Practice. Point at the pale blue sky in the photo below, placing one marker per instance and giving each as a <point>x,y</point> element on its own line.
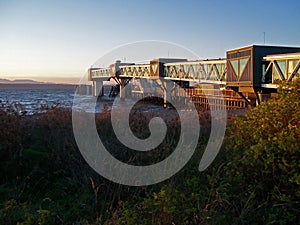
<point>53,40</point>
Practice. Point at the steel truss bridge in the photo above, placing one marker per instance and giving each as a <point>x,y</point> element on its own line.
<point>248,73</point>
<point>206,71</point>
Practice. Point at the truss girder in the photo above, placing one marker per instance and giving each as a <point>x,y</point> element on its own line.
<point>135,71</point>
<point>200,71</point>
<point>100,73</point>
<point>291,68</point>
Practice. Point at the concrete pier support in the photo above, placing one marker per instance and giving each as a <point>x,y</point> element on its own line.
<point>122,83</point>
<point>167,89</point>
<point>122,91</point>
<point>97,88</point>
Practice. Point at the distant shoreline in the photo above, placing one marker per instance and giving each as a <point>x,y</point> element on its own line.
<point>36,86</point>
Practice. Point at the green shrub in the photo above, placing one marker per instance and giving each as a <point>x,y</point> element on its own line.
<point>263,149</point>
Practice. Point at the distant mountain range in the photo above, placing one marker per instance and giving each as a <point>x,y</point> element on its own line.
<point>21,81</point>
<point>31,84</point>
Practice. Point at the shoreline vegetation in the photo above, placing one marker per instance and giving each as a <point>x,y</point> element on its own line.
<point>255,179</point>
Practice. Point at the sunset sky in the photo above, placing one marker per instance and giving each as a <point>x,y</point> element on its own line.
<point>58,40</point>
